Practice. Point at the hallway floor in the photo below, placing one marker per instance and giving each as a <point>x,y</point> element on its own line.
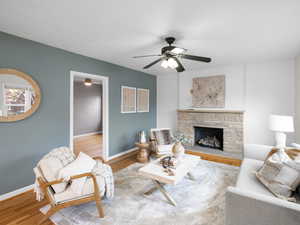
<point>91,145</point>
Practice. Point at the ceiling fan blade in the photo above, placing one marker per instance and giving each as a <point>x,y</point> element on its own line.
<point>180,67</point>
<point>143,56</point>
<point>154,62</point>
<point>196,58</point>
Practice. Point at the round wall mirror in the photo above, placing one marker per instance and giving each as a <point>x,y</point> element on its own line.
<point>20,95</point>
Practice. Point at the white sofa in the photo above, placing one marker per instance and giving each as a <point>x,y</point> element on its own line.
<point>250,203</point>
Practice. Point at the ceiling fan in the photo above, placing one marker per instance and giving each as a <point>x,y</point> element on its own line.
<point>170,56</point>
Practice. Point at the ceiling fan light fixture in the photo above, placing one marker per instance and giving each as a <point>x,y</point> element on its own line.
<point>170,57</point>
<point>177,50</point>
<point>172,63</point>
<point>88,82</point>
<point>165,64</point>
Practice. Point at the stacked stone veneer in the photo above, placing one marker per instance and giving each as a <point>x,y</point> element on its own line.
<point>230,121</point>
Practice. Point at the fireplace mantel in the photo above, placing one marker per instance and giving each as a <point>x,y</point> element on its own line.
<point>210,111</point>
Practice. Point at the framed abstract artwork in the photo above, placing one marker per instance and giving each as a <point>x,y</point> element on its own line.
<point>128,99</point>
<point>209,92</point>
<point>142,100</point>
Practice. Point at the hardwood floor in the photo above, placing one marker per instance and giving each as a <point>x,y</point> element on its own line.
<point>91,145</point>
<point>24,209</point>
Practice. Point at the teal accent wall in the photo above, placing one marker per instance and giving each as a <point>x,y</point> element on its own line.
<point>23,143</point>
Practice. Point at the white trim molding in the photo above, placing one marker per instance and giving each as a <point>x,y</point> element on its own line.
<point>123,153</point>
<point>105,102</point>
<point>88,134</point>
<point>16,192</point>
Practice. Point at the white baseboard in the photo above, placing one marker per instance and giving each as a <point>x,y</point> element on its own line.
<point>16,192</point>
<point>122,153</point>
<point>88,134</point>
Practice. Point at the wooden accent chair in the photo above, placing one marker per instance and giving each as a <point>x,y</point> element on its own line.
<point>66,200</point>
<point>162,141</point>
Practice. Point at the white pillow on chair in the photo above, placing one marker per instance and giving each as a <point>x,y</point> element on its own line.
<point>82,164</point>
<point>52,163</point>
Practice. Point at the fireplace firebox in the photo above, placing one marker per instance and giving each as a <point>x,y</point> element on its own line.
<point>209,137</point>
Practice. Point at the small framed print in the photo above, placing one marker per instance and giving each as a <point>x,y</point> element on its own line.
<point>128,99</point>
<point>142,100</point>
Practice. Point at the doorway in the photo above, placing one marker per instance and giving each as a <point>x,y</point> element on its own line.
<point>89,114</point>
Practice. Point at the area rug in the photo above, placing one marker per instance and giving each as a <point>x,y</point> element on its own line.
<point>199,202</point>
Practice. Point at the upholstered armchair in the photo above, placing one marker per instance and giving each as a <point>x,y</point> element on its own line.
<point>59,193</point>
<point>162,141</point>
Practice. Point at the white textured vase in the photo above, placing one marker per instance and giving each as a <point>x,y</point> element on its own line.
<point>143,137</point>
<point>178,150</point>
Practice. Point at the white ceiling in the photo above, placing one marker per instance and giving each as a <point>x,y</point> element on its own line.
<point>231,31</point>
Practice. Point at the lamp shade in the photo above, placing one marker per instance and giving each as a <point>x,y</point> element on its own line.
<point>281,123</point>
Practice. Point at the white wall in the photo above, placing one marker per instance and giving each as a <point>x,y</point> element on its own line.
<point>234,90</point>
<point>269,89</point>
<point>87,108</point>
<point>297,73</point>
<point>259,89</point>
<point>167,98</point>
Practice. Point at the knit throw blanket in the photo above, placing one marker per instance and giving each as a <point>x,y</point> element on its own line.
<point>100,170</point>
<point>105,171</point>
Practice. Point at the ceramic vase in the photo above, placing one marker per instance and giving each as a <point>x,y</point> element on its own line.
<point>178,150</point>
<point>142,137</point>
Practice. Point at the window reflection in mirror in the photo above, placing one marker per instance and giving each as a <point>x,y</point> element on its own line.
<point>16,95</point>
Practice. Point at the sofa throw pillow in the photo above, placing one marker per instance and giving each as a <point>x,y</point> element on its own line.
<point>280,173</point>
<point>163,137</point>
<point>82,164</point>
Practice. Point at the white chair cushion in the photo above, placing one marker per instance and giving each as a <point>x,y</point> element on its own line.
<point>88,189</point>
<point>83,164</point>
<point>52,163</point>
<point>247,180</point>
<point>164,149</point>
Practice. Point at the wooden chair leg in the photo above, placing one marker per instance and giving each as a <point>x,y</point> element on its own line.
<point>50,212</point>
<point>98,198</point>
<point>100,208</point>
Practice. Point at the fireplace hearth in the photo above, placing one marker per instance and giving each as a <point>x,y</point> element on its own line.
<point>209,137</point>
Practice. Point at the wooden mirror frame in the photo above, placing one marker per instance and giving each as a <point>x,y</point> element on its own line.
<point>37,91</point>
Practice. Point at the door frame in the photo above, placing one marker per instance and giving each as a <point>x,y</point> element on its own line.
<point>105,109</point>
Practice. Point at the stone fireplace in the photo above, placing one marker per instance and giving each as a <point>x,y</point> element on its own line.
<point>213,129</point>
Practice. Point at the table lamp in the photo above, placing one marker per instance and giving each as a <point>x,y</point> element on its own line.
<point>281,125</point>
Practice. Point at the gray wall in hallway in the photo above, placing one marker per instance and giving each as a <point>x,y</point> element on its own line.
<point>23,143</point>
<point>87,108</point>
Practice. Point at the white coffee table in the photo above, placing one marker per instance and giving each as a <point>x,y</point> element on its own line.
<point>155,171</point>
